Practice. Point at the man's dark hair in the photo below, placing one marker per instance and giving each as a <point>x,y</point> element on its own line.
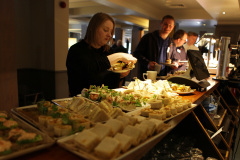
<point>179,34</point>
<point>167,17</point>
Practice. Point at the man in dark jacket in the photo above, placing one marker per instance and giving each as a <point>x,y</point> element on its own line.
<point>153,47</point>
<point>120,47</point>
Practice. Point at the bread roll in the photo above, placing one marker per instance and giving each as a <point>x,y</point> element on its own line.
<point>79,120</point>
<point>159,124</point>
<point>100,116</point>
<point>86,140</point>
<point>155,104</point>
<point>132,119</point>
<point>124,120</point>
<point>179,108</point>
<point>145,111</point>
<point>168,61</point>
<point>151,126</point>
<point>173,110</point>
<point>62,130</point>
<point>101,130</point>
<point>184,105</point>
<point>139,118</point>
<point>52,122</point>
<point>161,115</point>
<point>125,141</point>
<point>144,131</point>
<point>166,101</point>
<point>133,132</point>
<point>116,112</point>
<point>115,125</point>
<point>167,110</point>
<point>42,119</point>
<point>108,148</point>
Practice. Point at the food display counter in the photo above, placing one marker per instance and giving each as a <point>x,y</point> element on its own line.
<point>57,152</point>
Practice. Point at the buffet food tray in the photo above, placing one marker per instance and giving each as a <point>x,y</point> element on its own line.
<point>31,114</point>
<point>138,112</point>
<point>64,142</point>
<point>122,108</point>
<point>45,143</point>
<point>30,117</point>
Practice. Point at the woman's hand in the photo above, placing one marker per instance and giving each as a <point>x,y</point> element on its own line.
<point>125,57</point>
<point>122,75</point>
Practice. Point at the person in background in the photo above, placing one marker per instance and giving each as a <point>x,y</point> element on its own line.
<point>177,52</point>
<point>114,45</point>
<point>191,40</point>
<point>152,47</point>
<point>127,44</point>
<point>120,47</point>
<point>88,60</point>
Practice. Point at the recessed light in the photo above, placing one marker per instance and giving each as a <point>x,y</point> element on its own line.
<point>223,12</point>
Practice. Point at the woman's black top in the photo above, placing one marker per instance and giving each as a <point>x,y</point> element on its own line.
<point>89,66</point>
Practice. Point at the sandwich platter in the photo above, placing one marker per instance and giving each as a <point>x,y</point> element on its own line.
<point>17,147</point>
<point>189,92</point>
<point>68,116</point>
<point>55,124</point>
<point>138,112</point>
<point>71,144</point>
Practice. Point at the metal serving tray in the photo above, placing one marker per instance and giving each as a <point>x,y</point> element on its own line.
<point>47,141</point>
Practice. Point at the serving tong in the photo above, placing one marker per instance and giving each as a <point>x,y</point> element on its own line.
<point>58,104</point>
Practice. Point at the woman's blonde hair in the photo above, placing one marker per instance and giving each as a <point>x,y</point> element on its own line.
<point>95,22</point>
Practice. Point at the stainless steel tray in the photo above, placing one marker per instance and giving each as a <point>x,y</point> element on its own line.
<point>30,115</point>
<point>47,141</point>
<point>27,118</point>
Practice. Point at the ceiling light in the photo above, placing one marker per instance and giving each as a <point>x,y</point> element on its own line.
<point>223,12</point>
<point>204,24</point>
<point>198,22</point>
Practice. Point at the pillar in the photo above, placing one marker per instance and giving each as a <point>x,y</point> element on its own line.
<point>137,34</point>
<point>83,30</point>
<point>118,34</point>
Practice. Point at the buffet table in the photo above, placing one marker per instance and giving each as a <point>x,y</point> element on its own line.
<point>56,152</point>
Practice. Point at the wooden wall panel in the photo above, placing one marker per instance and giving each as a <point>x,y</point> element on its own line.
<point>8,72</point>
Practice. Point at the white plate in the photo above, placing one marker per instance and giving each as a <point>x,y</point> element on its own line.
<point>120,71</point>
<point>191,91</point>
<point>183,61</point>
